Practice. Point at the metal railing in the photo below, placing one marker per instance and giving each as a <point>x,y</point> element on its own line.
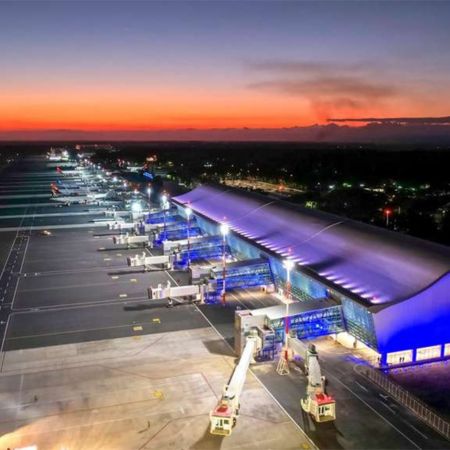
<point>420,409</point>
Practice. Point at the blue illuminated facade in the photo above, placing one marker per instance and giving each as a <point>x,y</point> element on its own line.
<point>309,324</point>
<point>244,274</point>
<point>392,291</point>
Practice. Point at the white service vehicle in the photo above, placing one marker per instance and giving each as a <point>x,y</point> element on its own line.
<point>316,402</point>
<point>224,416</point>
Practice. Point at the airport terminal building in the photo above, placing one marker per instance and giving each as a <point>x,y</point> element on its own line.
<point>389,291</point>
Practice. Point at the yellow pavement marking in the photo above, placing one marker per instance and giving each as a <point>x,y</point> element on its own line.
<point>305,446</point>
<point>158,394</point>
<point>133,280</point>
<point>157,320</point>
<point>114,277</point>
<point>137,328</point>
<point>123,295</point>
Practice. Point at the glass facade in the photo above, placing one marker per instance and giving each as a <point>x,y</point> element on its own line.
<point>359,322</point>
<point>351,317</point>
<point>405,356</point>
<point>302,286</point>
<point>309,324</point>
<point>447,350</point>
<point>432,352</point>
<point>253,273</point>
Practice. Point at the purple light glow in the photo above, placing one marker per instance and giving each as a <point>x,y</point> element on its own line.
<point>389,265</point>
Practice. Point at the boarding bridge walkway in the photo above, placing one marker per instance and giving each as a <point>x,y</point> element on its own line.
<point>243,274</point>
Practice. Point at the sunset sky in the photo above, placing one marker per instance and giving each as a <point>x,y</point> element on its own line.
<point>148,65</point>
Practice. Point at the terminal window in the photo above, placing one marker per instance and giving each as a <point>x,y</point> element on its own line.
<point>428,352</point>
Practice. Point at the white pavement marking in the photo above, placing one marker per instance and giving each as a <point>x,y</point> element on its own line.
<point>85,330</point>
<point>388,407</point>
<point>54,227</point>
<point>25,196</point>
<point>361,386</point>
<point>375,411</point>
<point>3,342</point>
<point>79,305</point>
<point>26,205</point>
<point>414,428</point>
<point>82,213</point>
<point>9,254</point>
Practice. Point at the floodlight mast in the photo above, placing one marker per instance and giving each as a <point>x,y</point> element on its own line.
<point>188,212</point>
<point>283,363</point>
<point>224,230</point>
<point>165,205</point>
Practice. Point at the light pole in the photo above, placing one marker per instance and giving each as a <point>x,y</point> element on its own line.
<point>387,213</point>
<point>224,229</point>
<point>165,200</point>
<point>149,193</point>
<point>188,217</point>
<point>288,265</point>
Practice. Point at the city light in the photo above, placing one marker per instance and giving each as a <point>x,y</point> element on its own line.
<point>387,212</point>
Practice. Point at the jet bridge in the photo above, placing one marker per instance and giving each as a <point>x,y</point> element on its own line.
<point>177,234</point>
<point>160,217</point>
<point>307,319</point>
<point>192,292</point>
<point>119,225</point>
<point>243,274</point>
<point>129,240</point>
<point>116,213</point>
<point>147,261</point>
<point>205,248</point>
<point>155,228</point>
<point>224,416</point>
<point>170,246</point>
